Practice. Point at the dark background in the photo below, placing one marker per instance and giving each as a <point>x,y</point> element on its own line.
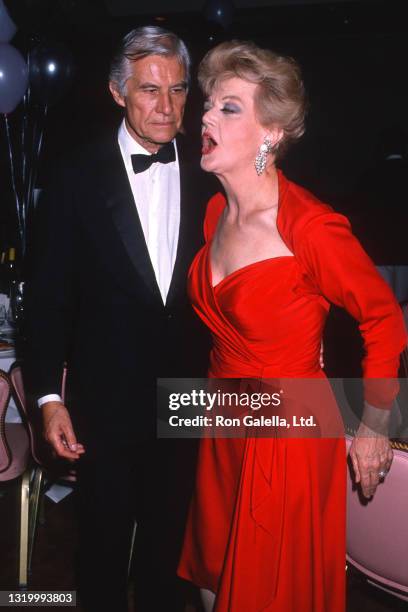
<point>353,54</point>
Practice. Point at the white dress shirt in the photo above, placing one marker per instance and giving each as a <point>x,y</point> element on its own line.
<point>156,193</point>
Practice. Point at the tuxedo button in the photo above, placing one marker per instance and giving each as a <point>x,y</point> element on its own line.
<point>170,316</point>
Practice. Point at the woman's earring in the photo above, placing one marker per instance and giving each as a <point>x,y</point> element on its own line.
<point>260,160</point>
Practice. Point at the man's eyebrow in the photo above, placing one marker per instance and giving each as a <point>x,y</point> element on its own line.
<point>148,85</point>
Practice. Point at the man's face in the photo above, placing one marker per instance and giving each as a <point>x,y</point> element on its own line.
<point>154,100</point>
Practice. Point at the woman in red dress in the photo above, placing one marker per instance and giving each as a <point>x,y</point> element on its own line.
<point>266,529</point>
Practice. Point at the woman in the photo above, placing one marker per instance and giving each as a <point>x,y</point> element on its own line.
<point>267,524</point>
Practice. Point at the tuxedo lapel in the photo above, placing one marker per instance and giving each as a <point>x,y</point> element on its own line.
<point>178,264</point>
<point>190,232</point>
<point>116,191</point>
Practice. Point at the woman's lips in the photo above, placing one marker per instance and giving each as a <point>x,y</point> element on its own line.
<point>209,144</point>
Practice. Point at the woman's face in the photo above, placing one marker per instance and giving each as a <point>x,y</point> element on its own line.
<point>231,132</point>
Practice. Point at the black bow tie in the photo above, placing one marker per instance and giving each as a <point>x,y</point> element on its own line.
<point>164,155</point>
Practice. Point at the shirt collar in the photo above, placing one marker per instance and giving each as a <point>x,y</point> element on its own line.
<point>129,146</point>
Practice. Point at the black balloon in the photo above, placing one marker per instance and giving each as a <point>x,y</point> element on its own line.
<point>219,11</point>
<point>32,15</point>
<point>51,72</point>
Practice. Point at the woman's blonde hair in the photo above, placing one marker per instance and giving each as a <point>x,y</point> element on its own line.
<point>280,96</point>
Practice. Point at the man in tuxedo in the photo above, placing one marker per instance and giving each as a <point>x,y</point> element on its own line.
<point>106,294</point>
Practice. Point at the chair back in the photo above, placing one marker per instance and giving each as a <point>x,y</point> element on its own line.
<point>41,451</point>
<point>16,377</point>
<point>377,529</point>
<point>5,455</point>
<point>14,441</point>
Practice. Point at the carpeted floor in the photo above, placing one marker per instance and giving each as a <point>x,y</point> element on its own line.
<point>53,559</point>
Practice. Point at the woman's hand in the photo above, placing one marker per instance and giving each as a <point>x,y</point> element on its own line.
<point>370,454</point>
<point>370,451</point>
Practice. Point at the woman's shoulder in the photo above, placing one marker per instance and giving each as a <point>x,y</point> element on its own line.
<point>215,206</point>
<point>302,215</point>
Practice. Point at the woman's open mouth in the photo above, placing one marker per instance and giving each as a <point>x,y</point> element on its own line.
<point>209,143</point>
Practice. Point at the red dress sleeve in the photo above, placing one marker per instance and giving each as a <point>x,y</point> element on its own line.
<point>215,206</point>
<point>346,276</point>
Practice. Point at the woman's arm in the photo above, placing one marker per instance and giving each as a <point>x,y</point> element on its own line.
<point>346,276</point>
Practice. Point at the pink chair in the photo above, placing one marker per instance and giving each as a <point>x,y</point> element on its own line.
<point>39,448</point>
<point>377,529</point>
<point>41,455</point>
<point>14,462</point>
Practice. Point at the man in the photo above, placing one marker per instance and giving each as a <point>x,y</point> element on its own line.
<point>107,294</point>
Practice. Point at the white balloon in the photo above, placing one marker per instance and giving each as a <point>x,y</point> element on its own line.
<point>7,26</point>
<point>13,78</point>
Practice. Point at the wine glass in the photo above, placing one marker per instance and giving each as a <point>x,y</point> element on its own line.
<point>3,315</point>
<point>10,315</point>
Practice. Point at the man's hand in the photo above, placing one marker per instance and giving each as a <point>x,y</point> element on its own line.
<point>58,431</point>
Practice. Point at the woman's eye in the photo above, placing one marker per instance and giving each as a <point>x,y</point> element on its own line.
<point>229,109</point>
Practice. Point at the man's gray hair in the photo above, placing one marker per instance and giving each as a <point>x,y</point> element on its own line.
<point>141,42</point>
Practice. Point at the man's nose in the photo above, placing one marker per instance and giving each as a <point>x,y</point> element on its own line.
<point>164,104</point>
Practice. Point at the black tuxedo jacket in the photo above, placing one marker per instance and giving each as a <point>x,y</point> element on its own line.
<point>93,301</point>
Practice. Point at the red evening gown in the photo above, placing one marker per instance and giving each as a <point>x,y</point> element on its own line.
<point>266,529</point>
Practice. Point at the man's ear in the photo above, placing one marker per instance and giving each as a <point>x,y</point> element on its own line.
<point>119,99</point>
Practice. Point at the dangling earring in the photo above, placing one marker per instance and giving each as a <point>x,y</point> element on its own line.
<point>261,157</point>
